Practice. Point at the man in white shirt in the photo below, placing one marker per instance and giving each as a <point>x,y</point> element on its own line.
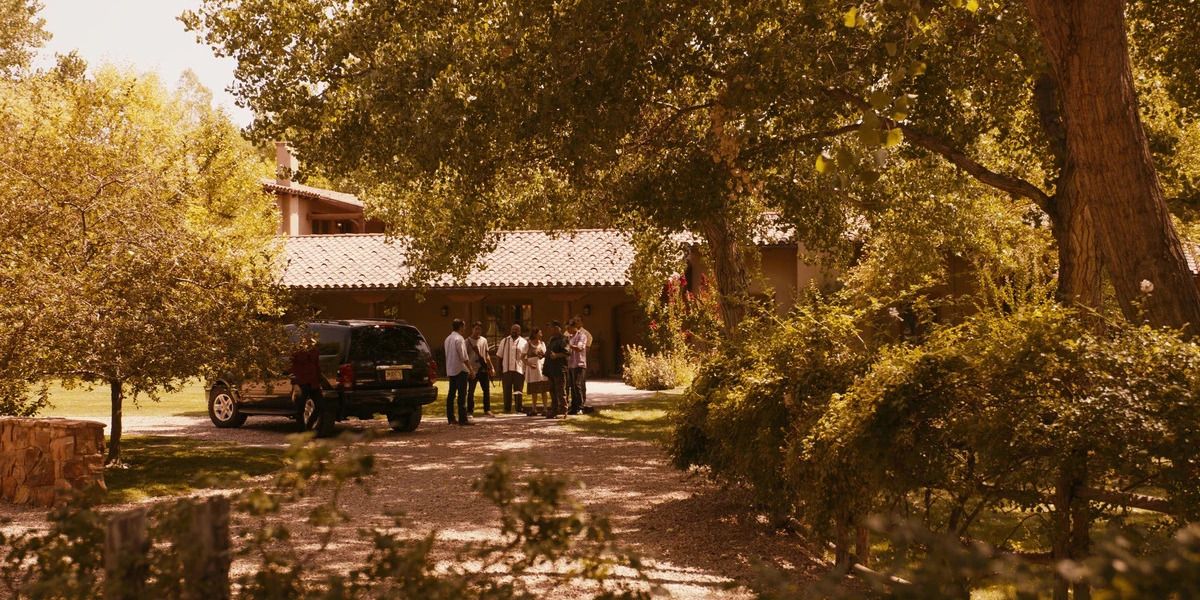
<point>576,366</point>
<point>512,351</point>
<point>457,369</point>
<point>586,347</point>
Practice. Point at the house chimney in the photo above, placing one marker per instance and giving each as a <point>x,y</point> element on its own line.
<point>285,163</point>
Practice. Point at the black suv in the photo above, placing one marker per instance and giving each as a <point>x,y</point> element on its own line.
<point>368,367</point>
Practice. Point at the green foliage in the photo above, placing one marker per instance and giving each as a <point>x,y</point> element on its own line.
<point>646,371</point>
<point>18,399</point>
<point>65,561</point>
<point>970,428</point>
<point>992,411</point>
<point>542,531</point>
<point>930,566</point>
<point>755,398</point>
<point>683,322</point>
<point>138,246</point>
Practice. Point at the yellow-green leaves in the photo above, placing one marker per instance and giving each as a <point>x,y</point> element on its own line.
<point>850,18</point>
<point>894,137</point>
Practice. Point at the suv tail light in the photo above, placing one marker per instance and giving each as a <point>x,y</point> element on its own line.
<point>432,372</point>
<point>345,375</point>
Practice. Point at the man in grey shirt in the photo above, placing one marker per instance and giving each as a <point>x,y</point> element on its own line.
<point>456,372</point>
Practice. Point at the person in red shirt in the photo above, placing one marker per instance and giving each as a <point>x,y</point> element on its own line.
<point>306,372</point>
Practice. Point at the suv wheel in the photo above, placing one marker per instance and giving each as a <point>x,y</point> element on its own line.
<point>223,408</point>
<point>405,422</point>
<point>318,415</point>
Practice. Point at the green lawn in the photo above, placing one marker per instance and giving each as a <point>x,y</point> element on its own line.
<point>190,401</point>
<point>644,420</point>
<point>94,402</point>
<point>168,465</point>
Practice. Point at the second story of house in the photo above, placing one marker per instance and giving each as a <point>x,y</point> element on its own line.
<point>307,210</point>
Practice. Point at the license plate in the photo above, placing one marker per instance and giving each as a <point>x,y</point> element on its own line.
<point>393,374</point>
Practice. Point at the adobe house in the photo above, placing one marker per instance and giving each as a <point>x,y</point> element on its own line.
<point>349,269</point>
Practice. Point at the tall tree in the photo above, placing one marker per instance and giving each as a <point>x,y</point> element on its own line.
<point>137,248</point>
<point>1065,68</point>
<point>479,116</point>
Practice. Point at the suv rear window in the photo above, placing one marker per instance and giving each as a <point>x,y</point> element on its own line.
<point>386,343</point>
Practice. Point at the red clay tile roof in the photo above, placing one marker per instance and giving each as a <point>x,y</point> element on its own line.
<point>348,200</point>
<point>585,258</point>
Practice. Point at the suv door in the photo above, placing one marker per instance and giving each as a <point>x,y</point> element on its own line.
<point>388,356</point>
<point>272,388</point>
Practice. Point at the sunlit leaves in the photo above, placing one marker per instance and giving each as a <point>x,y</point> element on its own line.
<point>138,246</point>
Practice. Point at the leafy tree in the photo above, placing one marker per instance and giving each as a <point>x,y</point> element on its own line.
<point>137,249</point>
<point>698,115</point>
<point>21,30</point>
<point>1054,123</point>
<point>475,116</point>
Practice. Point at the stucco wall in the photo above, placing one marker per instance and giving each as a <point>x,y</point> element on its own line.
<point>783,274</point>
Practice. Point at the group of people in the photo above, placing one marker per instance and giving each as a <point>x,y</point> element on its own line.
<point>548,368</point>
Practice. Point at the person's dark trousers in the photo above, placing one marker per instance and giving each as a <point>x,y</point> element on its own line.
<point>583,377</point>
<point>512,382</point>
<point>575,379</point>
<point>485,381</point>
<point>457,395</point>
<point>558,393</point>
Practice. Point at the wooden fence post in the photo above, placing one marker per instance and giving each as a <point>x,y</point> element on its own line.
<point>206,561</point>
<point>125,561</point>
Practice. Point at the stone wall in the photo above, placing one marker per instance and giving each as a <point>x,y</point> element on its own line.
<point>40,457</point>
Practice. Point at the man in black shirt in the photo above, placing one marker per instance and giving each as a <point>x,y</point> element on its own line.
<point>554,367</point>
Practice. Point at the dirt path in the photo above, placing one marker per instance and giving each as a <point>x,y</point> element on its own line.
<point>695,536</point>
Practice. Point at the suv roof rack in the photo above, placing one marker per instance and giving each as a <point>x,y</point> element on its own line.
<point>350,322</point>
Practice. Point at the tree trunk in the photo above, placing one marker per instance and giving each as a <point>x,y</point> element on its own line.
<point>729,271</point>
<point>1079,261</point>
<point>1060,531</point>
<point>1114,172</point>
<point>114,433</point>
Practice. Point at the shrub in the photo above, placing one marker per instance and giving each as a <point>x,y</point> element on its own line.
<point>657,371</point>
<point>761,393</point>
<point>1026,416</point>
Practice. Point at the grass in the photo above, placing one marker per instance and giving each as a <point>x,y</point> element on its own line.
<point>189,401</point>
<point>168,466</point>
<point>644,420</point>
<point>80,401</point>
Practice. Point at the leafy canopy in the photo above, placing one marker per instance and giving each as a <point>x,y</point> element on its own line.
<point>138,245</point>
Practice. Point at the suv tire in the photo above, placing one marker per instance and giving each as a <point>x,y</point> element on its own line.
<point>318,415</point>
<point>405,422</point>
<point>223,408</point>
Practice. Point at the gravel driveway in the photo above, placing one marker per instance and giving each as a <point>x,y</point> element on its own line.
<point>697,537</point>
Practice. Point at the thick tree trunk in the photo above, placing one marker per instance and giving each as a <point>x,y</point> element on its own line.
<point>1079,261</point>
<point>114,433</point>
<point>1114,172</point>
<point>729,271</point>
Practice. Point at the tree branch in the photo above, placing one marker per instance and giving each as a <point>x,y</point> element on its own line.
<point>1141,501</point>
<point>1006,183</point>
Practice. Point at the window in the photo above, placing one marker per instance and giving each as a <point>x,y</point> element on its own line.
<point>385,343</point>
<point>498,318</point>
